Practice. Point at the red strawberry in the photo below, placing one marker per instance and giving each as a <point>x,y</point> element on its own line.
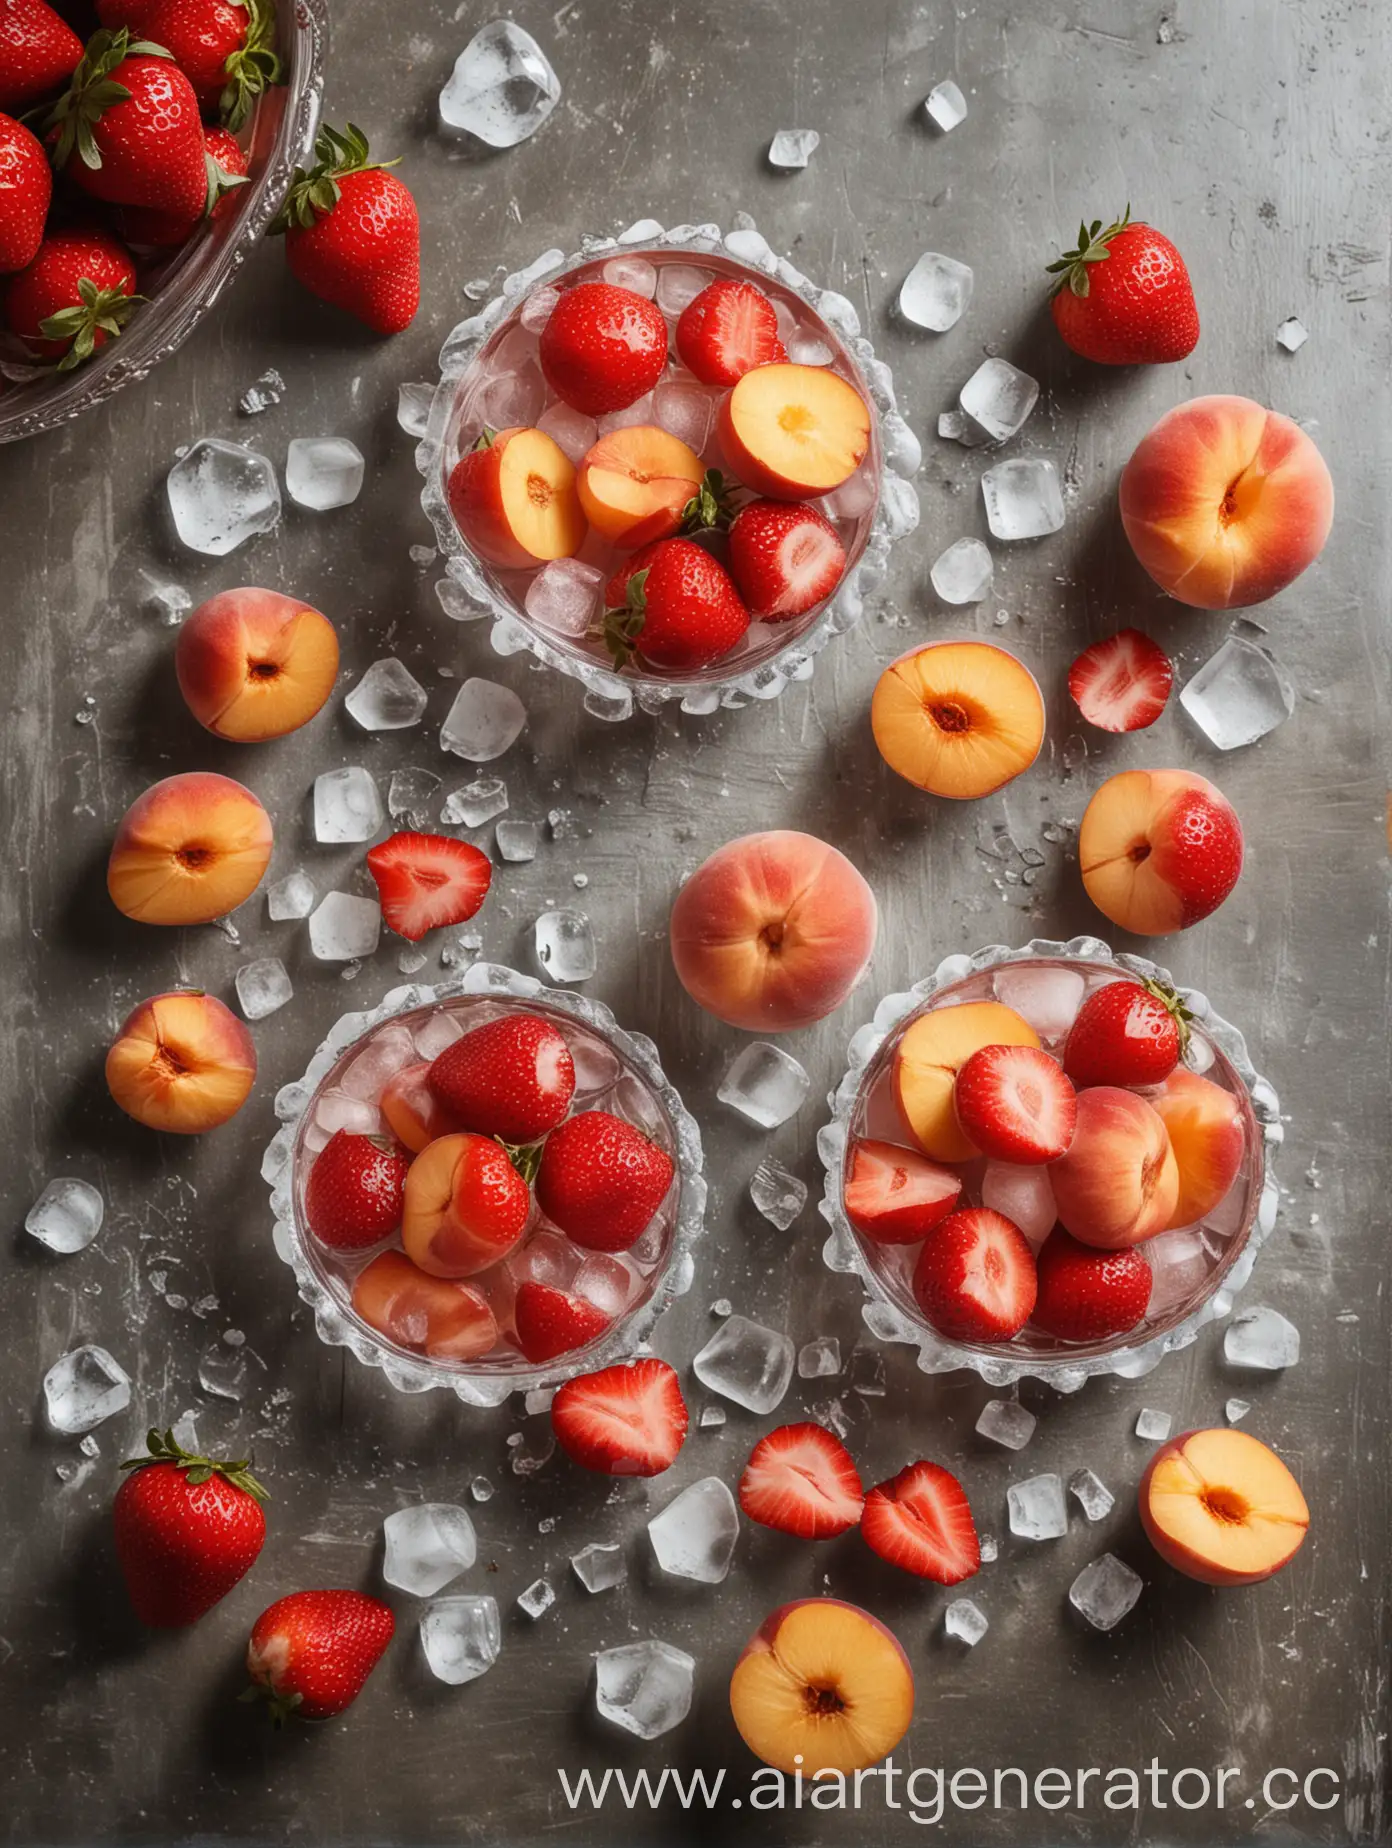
<point>513,1078</point>
<point>673,606</point>
<point>310,1653</point>
<point>75,296</point>
<point>38,52</point>
<point>127,128</point>
<point>26,190</point>
<point>784,558</point>
<point>227,175</point>
<point>628,1420</point>
<point>1121,684</point>
<point>1127,1033</point>
<point>801,1480</point>
<point>974,1279</point>
<point>1086,1294</point>
<point>1123,297</point>
<point>601,1180</point>
<point>920,1520</point>
<point>187,1528</point>
<point>896,1196</point>
<point>427,880</point>
<point>355,1191</point>
<point>603,347</point>
<point>226,48</point>
<point>1014,1103</point>
<point>352,233</point>
<point>728,330</point>
<point>548,1322</point>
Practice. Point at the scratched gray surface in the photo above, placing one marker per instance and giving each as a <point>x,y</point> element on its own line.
<point>1256,133</point>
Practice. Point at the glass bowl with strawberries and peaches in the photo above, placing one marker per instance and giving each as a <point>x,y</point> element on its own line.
<point>1126,1244</point>
<point>486,1185</point>
<point>669,466</point>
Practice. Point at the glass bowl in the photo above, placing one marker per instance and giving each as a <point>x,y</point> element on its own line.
<point>1198,1270</point>
<point>183,287</point>
<point>494,352</point>
<point>619,1070</point>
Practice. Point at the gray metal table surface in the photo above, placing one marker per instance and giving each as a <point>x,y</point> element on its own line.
<point>1255,134</point>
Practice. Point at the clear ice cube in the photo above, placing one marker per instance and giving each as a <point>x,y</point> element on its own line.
<point>263,986</point>
<point>413,402</point>
<point>678,284</point>
<point>746,1362</point>
<point>225,1371</point>
<point>570,430</point>
<point>634,273</point>
<point>502,87</point>
<point>259,396</point>
<point>686,411</point>
<point>819,1358</point>
<point>1179,1265</point>
<point>66,1217</point>
<point>481,1489</point>
<point>344,928</point>
<point>535,312</point>
<point>1006,1422</point>
<point>998,398</point>
<point>426,1547</point>
<point>1092,1494</point>
<point>599,1567</point>
<point>475,803</point>
<point>347,806</point>
<point>1235,1410</point>
<point>517,840</point>
<point>1151,1425</point>
<point>965,1621</point>
<point>792,148</point>
<point>1046,996</point>
<point>484,721</point>
<point>945,106</point>
<point>644,1687</point>
<point>962,574</point>
<point>1263,1339</point>
<point>779,1195</point>
<point>1024,1195</point>
<point>1105,1591</point>
<point>694,1536</point>
<point>712,1417</point>
<point>1038,1510</point>
<point>221,495</point>
<point>564,596</point>
<point>866,1371</point>
<point>936,292</point>
<point>387,698</point>
<point>461,1637</point>
<point>1023,497</point>
<point>290,897</point>
<point>806,347</point>
<point>596,1066</point>
<point>565,945</point>
<point>323,472</point>
<point>605,1282</point>
<point>161,597</point>
<point>765,1084</point>
<point>639,412</point>
<point>83,1389</point>
<point>1292,334</point>
<point>1239,695</point>
<point>512,398</point>
<point>411,792</point>
<point>537,1599</point>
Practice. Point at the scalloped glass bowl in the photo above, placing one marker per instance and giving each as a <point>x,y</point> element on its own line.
<point>616,1070</point>
<point>876,507</point>
<point>1209,1267</point>
<point>186,285</point>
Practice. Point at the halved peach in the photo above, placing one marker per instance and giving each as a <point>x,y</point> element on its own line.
<point>958,719</point>
<point>1205,1127</point>
<point>634,484</point>
<point>794,432</point>
<point>928,1058</point>
<point>466,1206</point>
<point>447,1321</point>
<point>1119,1182</point>
<point>189,850</point>
<point>254,664</point>
<point>182,1062</point>
<point>414,1113</point>
<point>1159,850</point>
<point>513,496</point>
<point>1222,1508</point>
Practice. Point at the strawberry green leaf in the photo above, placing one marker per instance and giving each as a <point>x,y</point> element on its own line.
<point>1071,268</point>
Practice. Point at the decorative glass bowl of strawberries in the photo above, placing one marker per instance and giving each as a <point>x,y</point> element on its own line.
<point>1048,1162</point>
<point>148,162</point>
<point>486,1185</point>
<point>669,466</point>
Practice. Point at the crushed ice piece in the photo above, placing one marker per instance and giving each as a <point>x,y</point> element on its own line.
<point>792,148</point>
<point>347,806</point>
<point>422,555</point>
<point>461,1637</point>
<point>945,106</point>
<point>535,312</point>
<point>779,1195</point>
<point>161,597</point>
<point>722,1306</point>
<point>475,803</point>
<point>502,87</point>
<point>819,1358</point>
<point>765,1084</point>
<point>644,1687</point>
<point>694,1536</point>
<point>634,273</point>
<point>1038,1510</point>
<point>1006,1422</point>
<point>1152,1425</point>
<point>1023,498</point>
<point>517,840</point>
<point>685,410</point>
<point>998,397</point>
<point>1292,334</point>
<point>867,1372</point>
<point>323,472</point>
<point>538,1400</point>
<point>1024,1195</point>
<point>413,402</point>
<point>639,412</point>
<point>597,1066</point>
<point>605,1282</point>
<point>511,398</point>
<point>806,347</point>
<point>457,603</point>
<point>1263,1339</point>
<point>263,986</point>
<point>678,285</point>
<point>572,432</point>
<point>936,292</point>
<point>962,574</point>
<point>1236,1410</point>
<point>1179,1265</point>
<point>712,1417</point>
<point>990,1549</point>
<point>1046,996</point>
<point>746,1362</point>
<point>222,494</point>
<point>965,1621</point>
<point>532,1455</point>
<point>599,1567</point>
<point>564,596</point>
<point>537,1599</point>
<point>66,1217</point>
<point>83,1389</point>
<point>185,1430</point>
<point>481,1489</point>
<point>387,698</point>
<point>1105,1591</point>
<point>1239,695</point>
<point>259,396</point>
<point>563,825</point>
<point>426,1547</point>
<point>411,791</point>
<point>484,721</point>
<point>344,928</point>
<point>225,1371</point>
<point>290,897</point>
<point>565,945</point>
<point>1091,1493</point>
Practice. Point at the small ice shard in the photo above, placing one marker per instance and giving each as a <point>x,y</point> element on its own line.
<point>1038,1510</point>
<point>746,1362</point>
<point>722,1306</point>
<point>867,1372</point>
<point>461,1637</point>
<point>290,897</point>
<point>517,840</point>
<point>998,397</point>
<point>66,1217</point>
<point>413,402</point>
<point>1292,334</point>
<point>570,430</point>
<point>678,284</point>
<point>344,928</point>
<point>410,960</point>
<point>485,720</point>
<point>712,1417</point>
<point>1006,1422</point>
<point>387,698</point>
<point>792,148</point>
<point>347,806</point>
<point>564,596</point>
<point>565,945</point>
<point>599,1567</point>
<point>224,1369</point>
<point>83,1389</point>
<point>694,1536</point>
<point>263,986</point>
<point>1151,1425</point>
<point>819,1358</point>
<point>537,1599</point>
<point>475,803</point>
<point>426,1547</point>
<point>1105,1591</point>
<point>945,106</point>
<point>481,1489</point>
<point>221,495</point>
<point>1092,1494</point>
<point>532,1454</point>
<point>1023,498</point>
<point>644,1687</point>
<point>779,1195</point>
<point>965,1621</point>
<point>411,791</point>
<point>1239,695</point>
<point>539,1399</point>
<point>990,1549</point>
<point>323,472</point>
<point>1024,1195</point>
<point>259,396</point>
<point>685,410</point>
<point>1263,1339</point>
<point>502,87</point>
<point>765,1084</point>
<point>1046,996</point>
<point>457,603</point>
<point>634,273</point>
<point>1236,1410</point>
<point>160,597</point>
<point>936,292</point>
<point>962,574</point>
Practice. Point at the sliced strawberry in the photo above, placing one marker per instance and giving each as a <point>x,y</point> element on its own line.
<point>895,1195</point>
<point>920,1520</point>
<point>1086,1294</point>
<point>622,1421</point>
<point>513,1078</point>
<point>549,1322</point>
<point>356,1190</point>
<point>426,880</point>
<point>1015,1103</point>
<point>801,1480</point>
<point>728,330</point>
<point>784,558</point>
<point>975,1278</point>
<point>1121,684</point>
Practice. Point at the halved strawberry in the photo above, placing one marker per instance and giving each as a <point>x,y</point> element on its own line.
<point>895,1195</point>
<point>1016,1104</point>
<point>1086,1294</point>
<point>1121,684</point>
<point>801,1480</point>
<point>628,1420</point>
<point>784,558</point>
<point>975,1278</point>
<point>426,880</point>
<point>549,1322</point>
<point>920,1520</point>
<point>728,330</point>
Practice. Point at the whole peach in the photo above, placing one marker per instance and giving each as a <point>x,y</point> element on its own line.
<point>189,850</point>
<point>253,664</point>
<point>182,1063</point>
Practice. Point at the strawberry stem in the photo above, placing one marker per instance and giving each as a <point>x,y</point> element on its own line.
<point>97,310</point>
<point>622,627</point>
<point>92,91</point>
<point>314,194</point>
<point>254,68</point>
<point>524,1156</point>
<point>1169,999</point>
<point>709,507</point>
<point>1072,267</point>
<point>164,1447</point>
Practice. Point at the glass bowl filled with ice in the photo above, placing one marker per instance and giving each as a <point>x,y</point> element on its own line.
<point>1050,1162</point>
<point>485,1186</point>
<point>669,467</point>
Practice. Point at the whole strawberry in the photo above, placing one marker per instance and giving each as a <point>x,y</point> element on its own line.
<point>1086,1294</point>
<point>311,1652</point>
<point>1127,1034</point>
<point>26,189</point>
<point>227,175</point>
<point>1123,297</point>
<point>513,1078</point>
<point>187,1528</point>
<point>601,1180</point>
<point>603,347</point>
<point>39,51</point>
<point>76,295</point>
<point>356,1190</point>
<point>226,48</point>
<point>352,233</point>
<point>673,606</point>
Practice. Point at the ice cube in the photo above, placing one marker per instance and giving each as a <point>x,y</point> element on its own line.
<point>263,986</point>
<point>1292,334</point>
<point>1037,1508</point>
<point>383,1055</point>
<point>1235,1410</point>
<point>537,1599</point>
<point>323,472</point>
<point>461,1637</point>
<point>66,1217</point>
<point>1238,695</point>
<point>344,928</point>
<point>570,430</point>
<point>426,1547</point>
<point>867,1372</point>
<point>990,1549</point>
<point>765,1084</point>
<point>686,411</point>
<point>1024,1195</point>
<point>779,1195</point>
<point>712,1417</point>
<point>1151,1425</point>
<point>1263,1339</point>
<point>1105,1591</point>
<point>269,389</point>
<point>387,698</point>
<point>337,1110</point>
<point>481,1489</point>
<point>806,347</point>
<point>565,945</point>
<point>678,284</point>
<point>484,721</point>
<point>547,1258</point>
<point>517,840</point>
<point>639,412</point>
<point>936,294</point>
<point>1023,498</point>
<point>1046,996</point>
<point>694,1535</point>
<point>644,1687</point>
<point>819,1358</point>
<point>604,1282</point>
<point>564,596</point>
<point>945,106</point>
<point>1179,1265</point>
<point>746,1362</point>
<point>475,803</point>
<point>962,574</point>
<point>1092,1494</point>
<point>347,806</point>
<point>512,397</point>
<point>854,498</point>
<point>411,792</point>
<point>635,273</point>
<point>596,1066</point>
<point>290,897</point>
<point>792,148</point>
<point>965,1621</point>
<point>1006,1422</point>
<point>221,495</point>
<point>160,597</point>
<point>998,397</point>
<point>83,1389</point>
<point>535,312</point>
<point>502,87</point>
<point>225,1368</point>
<point>457,603</point>
<point>413,404</point>
<point>722,1306</point>
<point>599,1567</point>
